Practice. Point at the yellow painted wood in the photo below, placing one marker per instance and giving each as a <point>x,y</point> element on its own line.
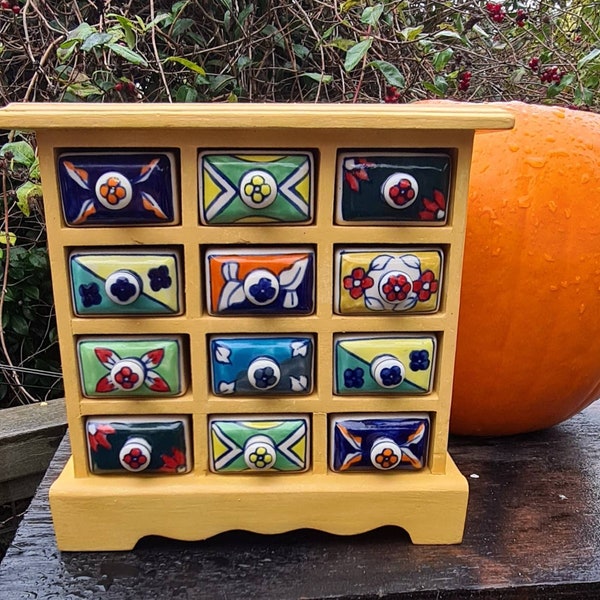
<point>114,512</point>
<point>99,512</point>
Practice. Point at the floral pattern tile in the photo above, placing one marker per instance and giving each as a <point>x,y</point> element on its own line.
<point>261,365</point>
<point>153,444</point>
<point>388,442</point>
<point>142,366</point>
<point>255,188</point>
<point>253,444</point>
<point>118,188</point>
<point>125,282</point>
<point>403,188</point>
<point>391,365</point>
<point>251,282</point>
<point>391,280</point>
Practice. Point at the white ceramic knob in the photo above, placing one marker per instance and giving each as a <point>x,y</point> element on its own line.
<point>135,455</point>
<point>385,454</point>
<point>263,373</point>
<point>388,371</point>
<point>259,453</point>
<point>123,287</point>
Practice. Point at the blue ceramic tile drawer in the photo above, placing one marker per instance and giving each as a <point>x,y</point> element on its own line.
<point>378,442</point>
<point>126,282</point>
<point>118,188</point>
<point>399,188</point>
<point>148,444</point>
<point>259,365</point>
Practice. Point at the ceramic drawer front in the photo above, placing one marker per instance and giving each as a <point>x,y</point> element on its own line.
<point>152,444</point>
<point>261,365</point>
<point>126,282</point>
<point>392,365</point>
<point>256,187</point>
<point>388,280</point>
<point>379,442</point>
<point>118,188</point>
<point>144,366</point>
<point>254,282</point>
<point>257,444</point>
<point>405,188</point>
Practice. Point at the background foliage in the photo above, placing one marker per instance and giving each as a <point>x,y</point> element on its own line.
<point>265,50</point>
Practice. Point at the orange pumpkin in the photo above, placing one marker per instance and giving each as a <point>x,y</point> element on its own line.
<point>528,352</point>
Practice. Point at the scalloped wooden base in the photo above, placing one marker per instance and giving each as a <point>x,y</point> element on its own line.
<point>114,512</point>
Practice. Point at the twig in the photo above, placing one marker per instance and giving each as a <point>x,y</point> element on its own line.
<point>157,56</point>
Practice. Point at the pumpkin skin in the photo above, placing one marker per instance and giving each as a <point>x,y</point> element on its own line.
<point>528,349</point>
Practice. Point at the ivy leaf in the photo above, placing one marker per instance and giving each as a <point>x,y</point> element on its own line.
<point>356,54</point>
<point>440,59</point>
<point>589,57</point>
<point>5,239</point>
<point>410,34</point>
<point>390,72</point>
<point>129,55</point>
<point>19,325</point>
<point>372,14</point>
<point>22,152</point>
<point>95,40</point>
<point>188,64</point>
<point>25,193</point>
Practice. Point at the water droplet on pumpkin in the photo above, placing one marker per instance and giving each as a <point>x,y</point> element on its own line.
<point>568,213</point>
<point>581,309</point>
<point>496,251</point>
<point>564,284</point>
<point>537,162</point>
<point>552,206</point>
<point>553,288</point>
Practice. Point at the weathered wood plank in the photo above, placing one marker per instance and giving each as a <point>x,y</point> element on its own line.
<point>532,533</point>
<point>29,436</point>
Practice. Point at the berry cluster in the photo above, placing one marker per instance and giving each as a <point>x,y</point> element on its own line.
<point>8,5</point>
<point>550,75</point>
<point>464,81</point>
<point>534,63</point>
<point>126,86</point>
<point>521,17</point>
<point>496,12</point>
<point>392,95</point>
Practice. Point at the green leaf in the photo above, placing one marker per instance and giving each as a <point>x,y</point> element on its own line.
<point>66,49</point>
<point>480,32</point>
<point>390,72</point>
<point>300,50</point>
<point>25,193</point>
<point>439,87</point>
<point>180,27</point>
<point>341,44</point>
<point>31,291</point>
<point>12,238</point>
<point>410,34</point>
<point>84,89</point>
<point>349,4</point>
<point>95,40</point>
<point>440,59</point>
<point>18,324</point>
<point>371,15</point>
<point>128,27</point>
<point>218,82</point>
<point>34,170</point>
<point>357,53</point>
<point>22,152</point>
<point>81,32</point>
<point>129,55</point>
<point>319,77</point>
<point>589,57</point>
<point>449,35</point>
<point>188,64</point>
<point>186,93</point>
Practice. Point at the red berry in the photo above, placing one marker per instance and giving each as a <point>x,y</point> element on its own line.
<point>534,63</point>
<point>16,9</point>
<point>391,95</point>
<point>131,87</point>
<point>5,5</point>
<point>521,17</point>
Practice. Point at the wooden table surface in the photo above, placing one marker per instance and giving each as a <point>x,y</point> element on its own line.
<point>533,531</point>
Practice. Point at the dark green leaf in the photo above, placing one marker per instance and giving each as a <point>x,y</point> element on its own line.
<point>440,59</point>
<point>186,93</point>
<point>372,14</point>
<point>19,325</point>
<point>95,40</point>
<point>187,63</point>
<point>390,72</point>
<point>129,55</point>
<point>357,53</point>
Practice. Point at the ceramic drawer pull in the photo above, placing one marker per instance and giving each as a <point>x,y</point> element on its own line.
<point>380,442</point>
<point>375,364</point>
<point>153,444</point>
<point>261,365</point>
<point>151,366</point>
<point>254,443</point>
<point>399,188</point>
<point>126,282</point>
<point>260,281</point>
<point>118,188</point>
<point>255,188</point>
<point>392,280</point>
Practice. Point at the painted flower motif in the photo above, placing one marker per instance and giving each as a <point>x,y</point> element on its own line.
<point>135,459</point>
<point>396,288</point>
<point>175,463</point>
<point>265,378</point>
<point>354,378</point>
<point>126,378</point>
<point>261,458</point>
<point>426,285</point>
<point>355,171</point>
<point>391,376</point>
<point>357,282</point>
<point>90,294</point>
<point>402,192</point>
<point>387,458</point>
<point>257,189</point>
<point>419,360</point>
<point>113,191</point>
<point>160,278</point>
<point>435,210</point>
<point>263,290</point>
<point>97,436</point>
<point>123,289</point>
